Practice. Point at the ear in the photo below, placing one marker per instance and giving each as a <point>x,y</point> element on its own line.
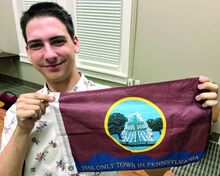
<point>28,53</point>
<point>76,44</point>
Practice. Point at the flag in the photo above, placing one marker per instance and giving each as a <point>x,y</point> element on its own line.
<point>146,126</point>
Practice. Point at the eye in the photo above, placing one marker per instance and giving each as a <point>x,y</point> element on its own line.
<point>58,42</point>
<point>35,45</point>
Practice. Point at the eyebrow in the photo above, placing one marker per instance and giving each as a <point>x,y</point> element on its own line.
<point>58,37</point>
<point>52,38</point>
<point>33,41</point>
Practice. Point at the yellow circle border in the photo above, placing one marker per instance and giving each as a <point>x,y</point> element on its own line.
<point>147,102</point>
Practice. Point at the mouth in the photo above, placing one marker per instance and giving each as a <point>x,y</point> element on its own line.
<point>54,67</point>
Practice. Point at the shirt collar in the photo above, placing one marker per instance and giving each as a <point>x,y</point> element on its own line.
<point>82,85</point>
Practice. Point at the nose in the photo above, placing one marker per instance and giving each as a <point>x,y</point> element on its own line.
<point>49,53</point>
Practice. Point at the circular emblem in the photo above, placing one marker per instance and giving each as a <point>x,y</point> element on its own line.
<point>136,124</point>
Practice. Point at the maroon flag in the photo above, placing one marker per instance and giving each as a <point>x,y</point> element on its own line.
<point>129,128</point>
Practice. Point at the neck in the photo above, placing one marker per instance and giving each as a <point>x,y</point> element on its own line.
<point>66,85</point>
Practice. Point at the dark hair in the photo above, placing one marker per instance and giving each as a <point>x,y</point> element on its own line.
<point>46,9</point>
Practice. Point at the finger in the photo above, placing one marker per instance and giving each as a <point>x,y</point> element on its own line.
<point>209,103</point>
<point>29,101</point>
<point>37,96</point>
<point>46,104</point>
<point>207,96</point>
<point>210,86</point>
<point>203,79</point>
<point>41,96</point>
<point>38,110</point>
<point>27,104</point>
<point>27,115</point>
<point>43,106</point>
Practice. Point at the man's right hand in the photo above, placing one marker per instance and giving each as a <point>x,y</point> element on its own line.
<point>29,108</point>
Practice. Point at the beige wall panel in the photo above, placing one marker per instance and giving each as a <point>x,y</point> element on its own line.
<point>177,39</point>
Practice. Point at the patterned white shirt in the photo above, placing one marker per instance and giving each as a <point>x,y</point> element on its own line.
<point>48,152</point>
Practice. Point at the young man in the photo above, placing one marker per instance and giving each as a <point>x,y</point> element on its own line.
<point>51,46</point>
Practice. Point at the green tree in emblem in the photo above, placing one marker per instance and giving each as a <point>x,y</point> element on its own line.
<point>155,124</point>
<point>116,124</point>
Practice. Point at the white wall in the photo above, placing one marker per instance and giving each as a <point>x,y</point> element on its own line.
<point>8,36</point>
<point>177,39</point>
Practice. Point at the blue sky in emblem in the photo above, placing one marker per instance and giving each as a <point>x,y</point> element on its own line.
<point>133,106</point>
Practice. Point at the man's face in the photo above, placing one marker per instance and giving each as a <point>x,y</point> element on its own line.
<point>51,49</point>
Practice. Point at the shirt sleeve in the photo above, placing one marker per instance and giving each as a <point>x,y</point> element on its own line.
<point>10,123</point>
